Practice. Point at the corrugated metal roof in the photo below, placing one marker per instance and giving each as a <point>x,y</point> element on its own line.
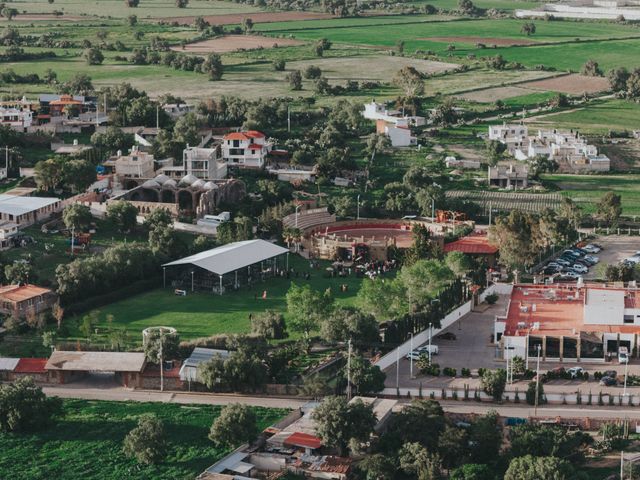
<point>8,364</point>
<point>232,256</point>
<point>18,205</point>
<point>31,365</point>
<point>97,361</point>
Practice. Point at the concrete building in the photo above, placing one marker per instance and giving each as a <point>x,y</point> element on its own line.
<point>19,119</point>
<point>246,149</point>
<point>204,163</point>
<point>574,322</point>
<point>137,164</point>
<point>8,231</point>
<point>25,211</point>
<point>23,300</point>
<point>393,123</point>
<point>127,367</point>
<point>509,176</point>
<point>587,9</point>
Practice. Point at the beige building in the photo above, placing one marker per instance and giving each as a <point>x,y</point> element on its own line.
<point>137,164</point>
<point>25,211</point>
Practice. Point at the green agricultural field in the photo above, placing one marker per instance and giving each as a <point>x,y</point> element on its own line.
<point>117,9</point>
<point>203,314</point>
<point>87,443</point>
<point>598,117</point>
<point>507,5</point>
<point>587,190</point>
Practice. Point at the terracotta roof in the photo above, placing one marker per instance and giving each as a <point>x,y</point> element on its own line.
<point>255,146</point>
<point>31,365</point>
<point>254,134</point>
<point>248,135</point>
<point>19,293</point>
<point>299,439</point>
<point>472,245</point>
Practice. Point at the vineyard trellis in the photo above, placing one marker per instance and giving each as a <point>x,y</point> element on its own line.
<point>505,201</point>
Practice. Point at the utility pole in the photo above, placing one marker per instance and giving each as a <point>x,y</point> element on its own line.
<point>397,368</point>
<point>622,465</point>
<point>157,117</point>
<point>430,333</point>
<point>626,366</point>
<point>6,161</point>
<point>349,372</point>
<point>490,211</point>
<point>411,358</point>
<point>535,411</point>
<point>161,361</point>
<point>73,239</point>
<point>288,118</point>
<point>358,211</point>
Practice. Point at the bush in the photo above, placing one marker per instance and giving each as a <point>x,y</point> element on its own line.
<point>24,407</point>
<point>449,372</point>
<point>491,299</point>
<point>531,394</point>
<point>146,442</point>
<point>465,372</point>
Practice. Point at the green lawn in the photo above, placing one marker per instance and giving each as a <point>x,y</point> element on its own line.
<point>204,314</point>
<point>587,190</point>
<point>87,443</point>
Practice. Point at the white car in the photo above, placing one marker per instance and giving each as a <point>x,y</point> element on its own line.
<point>579,268</point>
<point>591,248</point>
<point>415,354</point>
<point>633,259</point>
<point>623,355</point>
<point>592,258</point>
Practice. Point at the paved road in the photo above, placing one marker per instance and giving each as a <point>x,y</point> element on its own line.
<point>121,394</point>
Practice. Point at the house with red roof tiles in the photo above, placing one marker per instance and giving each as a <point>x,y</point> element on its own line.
<point>248,149</point>
<point>475,245</point>
<point>22,300</point>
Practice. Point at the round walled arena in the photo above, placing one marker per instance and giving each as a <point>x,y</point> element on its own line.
<point>398,231</point>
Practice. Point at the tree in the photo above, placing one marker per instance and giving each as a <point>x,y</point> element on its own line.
<point>591,69</point>
<point>400,46</point>
<point>497,63</point>
<point>421,421</point>
<point>312,72</point>
<point>618,78</point>
<point>337,422</point>
<point>25,408</point>
<point>77,216</point>
<point>366,378</point>
<point>93,56</point>
<point>279,65</point>
<point>453,446</point>
<point>9,13</point>
<point>112,139</point>
<point>473,471</point>
<point>423,280</point>
<point>542,164</point>
<point>132,3</point>
<point>122,214</point>
<point>466,6</point>
<point>18,272</point>
<point>213,66</point>
<point>377,467</point>
<point>485,438</point>
<point>155,339</point>
<point>200,24</point>
<point>237,424</point>
<point>307,307</point>
<point>79,84</point>
<point>531,393</point>
<point>383,298</point>
<point>182,3</point>
<point>416,460</point>
<point>528,28</point>
<point>322,87</point>
<point>513,233</point>
<point>49,173</point>
<point>348,323</point>
<point>548,441</point>
<point>161,233</point>
<point>49,339</point>
<point>295,80</point>
<point>444,114</point>
<point>146,442</point>
<point>633,84</point>
<point>247,25</point>
<point>78,174</point>
<point>132,20</point>
<point>493,383</point>
<point>458,263</point>
<point>610,209</point>
<point>410,81</point>
<point>535,468</point>
<point>269,324</point>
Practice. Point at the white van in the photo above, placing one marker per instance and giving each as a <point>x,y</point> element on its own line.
<point>623,355</point>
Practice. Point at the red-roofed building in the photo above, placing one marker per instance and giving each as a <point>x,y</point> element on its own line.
<point>475,245</point>
<point>303,440</point>
<point>571,322</point>
<point>247,149</point>
<point>32,367</point>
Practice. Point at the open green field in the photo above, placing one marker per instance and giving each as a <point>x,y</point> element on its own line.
<point>203,314</point>
<point>117,9</point>
<point>598,117</point>
<point>87,443</point>
<point>587,190</point>
<point>506,5</point>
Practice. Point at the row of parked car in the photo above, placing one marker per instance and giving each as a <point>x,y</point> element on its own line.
<point>573,262</point>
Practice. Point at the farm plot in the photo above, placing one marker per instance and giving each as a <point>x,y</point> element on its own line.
<point>470,81</point>
<point>491,41</point>
<point>489,95</point>
<point>257,17</point>
<point>506,201</point>
<point>572,84</point>
<point>231,43</point>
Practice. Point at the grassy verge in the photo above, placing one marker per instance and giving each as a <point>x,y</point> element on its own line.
<point>87,443</point>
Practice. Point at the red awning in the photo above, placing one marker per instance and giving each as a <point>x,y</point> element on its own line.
<point>299,439</point>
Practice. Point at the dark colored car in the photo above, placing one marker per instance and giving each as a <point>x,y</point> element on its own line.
<point>446,336</point>
<point>608,381</point>
<point>610,373</point>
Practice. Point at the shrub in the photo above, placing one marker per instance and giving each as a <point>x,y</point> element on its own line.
<point>147,441</point>
<point>449,372</point>
<point>465,372</point>
<point>491,299</point>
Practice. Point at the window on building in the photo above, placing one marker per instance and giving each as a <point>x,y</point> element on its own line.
<point>629,319</point>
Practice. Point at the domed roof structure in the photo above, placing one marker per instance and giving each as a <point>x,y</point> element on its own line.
<point>161,179</point>
<point>150,184</point>
<point>188,179</point>
<point>198,184</point>
<point>171,183</point>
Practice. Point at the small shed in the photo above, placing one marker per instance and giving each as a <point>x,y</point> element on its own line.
<point>189,369</point>
<point>7,366</point>
<point>32,367</point>
<point>127,367</point>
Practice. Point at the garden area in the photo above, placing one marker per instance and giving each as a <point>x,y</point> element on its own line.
<point>87,442</point>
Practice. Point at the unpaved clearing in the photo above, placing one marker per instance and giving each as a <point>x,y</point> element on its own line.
<point>489,95</point>
<point>257,17</point>
<point>573,84</point>
<point>501,42</point>
<point>33,17</point>
<point>231,43</point>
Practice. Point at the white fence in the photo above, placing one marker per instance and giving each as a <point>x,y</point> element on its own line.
<point>423,337</point>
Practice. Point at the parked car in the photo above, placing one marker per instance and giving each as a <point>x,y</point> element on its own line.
<point>567,276</point>
<point>576,372</point>
<point>446,336</point>
<point>623,355</point>
<point>571,252</point>
<point>579,268</point>
<point>633,259</point>
<point>415,354</point>
<point>551,270</point>
<point>591,248</point>
<point>610,373</point>
<point>608,381</point>
<point>562,261</point>
<point>593,259</point>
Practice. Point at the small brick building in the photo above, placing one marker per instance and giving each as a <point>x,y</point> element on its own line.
<point>22,300</point>
<point>65,367</point>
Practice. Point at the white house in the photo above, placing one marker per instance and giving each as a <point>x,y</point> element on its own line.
<point>204,163</point>
<point>18,119</point>
<point>393,123</point>
<point>135,165</point>
<point>246,149</point>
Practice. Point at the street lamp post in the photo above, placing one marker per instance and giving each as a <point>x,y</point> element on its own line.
<point>626,366</point>
<point>358,208</point>
<point>297,207</point>
<point>411,358</point>
<point>430,333</point>
<point>535,411</point>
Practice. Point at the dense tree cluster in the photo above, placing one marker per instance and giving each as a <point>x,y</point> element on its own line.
<point>59,173</point>
<point>24,407</point>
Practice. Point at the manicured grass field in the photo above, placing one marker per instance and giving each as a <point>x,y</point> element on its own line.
<point>87,443</point>
<point>587,190</point>
<point>204,314</point>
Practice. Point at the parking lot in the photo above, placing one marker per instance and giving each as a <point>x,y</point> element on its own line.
<point>615,249</point>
